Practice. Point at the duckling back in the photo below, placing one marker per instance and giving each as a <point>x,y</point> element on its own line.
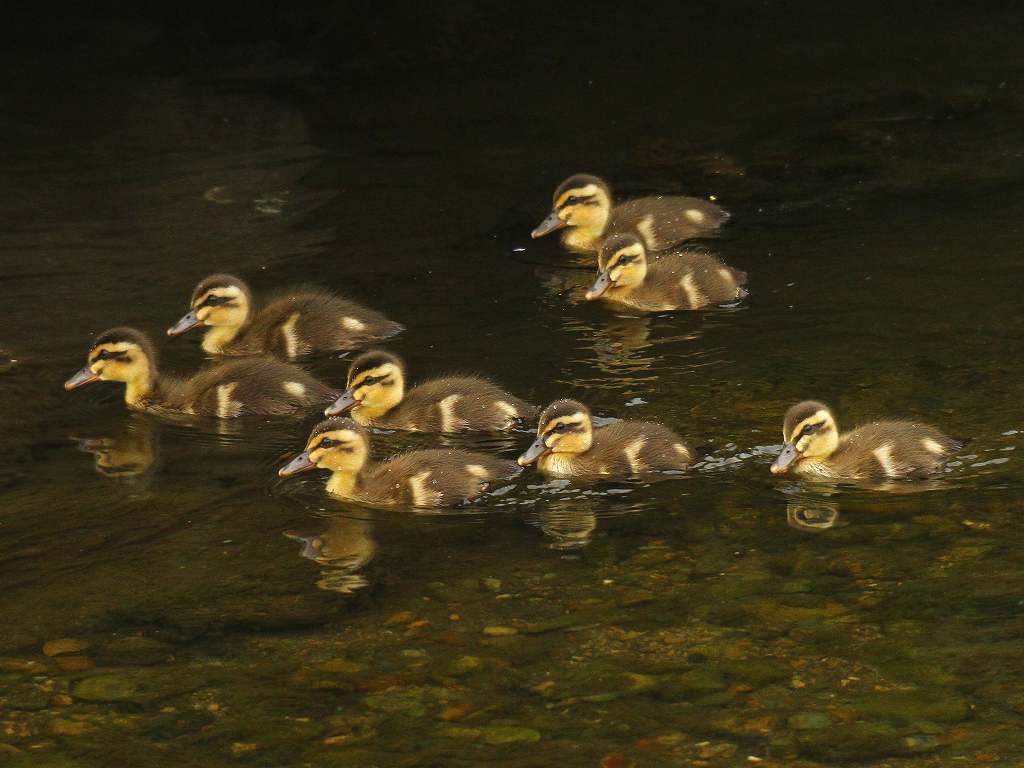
<point>695,278</point>
<point>624,449</point>
<point>260,386</point>
<point>310,321</point>
<point>890,450</point>
<point>434,478</point>
<point>665,221</point>
<point>458,403</point>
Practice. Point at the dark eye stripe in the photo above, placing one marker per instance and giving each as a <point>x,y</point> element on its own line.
<point>575,200</point>
<point>106,354</point>
<point>370,380</point>
<point>562,429</point>
<point>215,301</point>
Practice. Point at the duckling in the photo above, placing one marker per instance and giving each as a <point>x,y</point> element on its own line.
<point>876,452</point>
<point>583,206</point>
<point>567,445</point>
<point>425,479</point>
<point>684,279</point>
<point>302,322</point>
<point>375,396</point>
<point>260,385</point>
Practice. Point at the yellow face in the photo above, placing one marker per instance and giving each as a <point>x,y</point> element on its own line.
<point>340,450</point>
<point>224,306</point>
<point>570,433</point>
<point>585,207</point>
<point>119,361</point>
<point>814,437</point>
<point>627,267</point>
<point>375,389</point>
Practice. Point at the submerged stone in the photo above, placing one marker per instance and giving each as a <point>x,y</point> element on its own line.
<point>908,706</point>
<point>138,686</point>
<point>496,631</point>
<point>65,645</point>
<point>508,734</point>
<point>464,665</point>
<point>808,721</point>
<point>134,650</point>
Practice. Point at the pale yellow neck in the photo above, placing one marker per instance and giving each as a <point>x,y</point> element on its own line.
<point>583,238</point>
<point>218,337</point>
<point>138,389</point>
<point>342,484</point>
<point>367,415</point>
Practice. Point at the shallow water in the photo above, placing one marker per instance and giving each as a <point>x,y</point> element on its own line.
<point>725,617</point>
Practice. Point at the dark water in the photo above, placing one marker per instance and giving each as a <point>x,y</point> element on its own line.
<point>221,616</point>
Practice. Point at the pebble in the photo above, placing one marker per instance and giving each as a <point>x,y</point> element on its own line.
<point>497,631</point>
<point>74,663</point>
<point>63,727</point>
<point>25,666</point>
<point>508,734</point>
<point>808,721</point>
<point>65,645</point>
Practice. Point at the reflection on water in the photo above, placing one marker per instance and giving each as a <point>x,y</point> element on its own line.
<point>343,546</point>
<point>129,453</point>
<point>812,516</point>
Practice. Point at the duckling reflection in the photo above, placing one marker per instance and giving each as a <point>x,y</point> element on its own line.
<point>129,453</point>
<point>343,547</point>
<point>813,516</point>
<point>568,524</point>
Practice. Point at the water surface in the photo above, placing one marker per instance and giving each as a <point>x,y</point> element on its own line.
<point>220,615</point>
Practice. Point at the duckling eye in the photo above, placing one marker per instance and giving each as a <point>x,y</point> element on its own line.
<point>213,301</point>
<point>326,443</point>
<point>808,429</point>
<point>572,200</point>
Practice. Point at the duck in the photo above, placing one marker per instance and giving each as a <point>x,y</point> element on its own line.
<point>676,280</point>
<point>302,321</point>
<point>253,386</point>
<point>569,446</point>
<point>583,207</point>
<point>375,396</point>
<point>877,452</point>
<point>418,479</point>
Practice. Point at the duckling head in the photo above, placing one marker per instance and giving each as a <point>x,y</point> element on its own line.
<point>621,263</point>
<point>810,432</point>
<point>565,427</point>
<point>221,302</point>
<point>120,354</point>
<point>339,445</point>
<point>376,384</point>
<point>581,201</point>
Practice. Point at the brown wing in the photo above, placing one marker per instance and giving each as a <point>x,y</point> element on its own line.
<point>890,450</point>
<point>259,385</point>
<point>697,277</point>
<point>457,403</point>
<point>665,221</point>
<point>638,447</point>
<point>311,321</point>
<point>436,478</point>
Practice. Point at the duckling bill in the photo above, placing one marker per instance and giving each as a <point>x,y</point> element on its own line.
<point>676,280</point>
<point>301,322</point>
<point>569,446</point>
<point>878,452</point>
<point>375,395</point>
<point>259,385</point>
<point>582,206</point>
<point>418,479</point>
